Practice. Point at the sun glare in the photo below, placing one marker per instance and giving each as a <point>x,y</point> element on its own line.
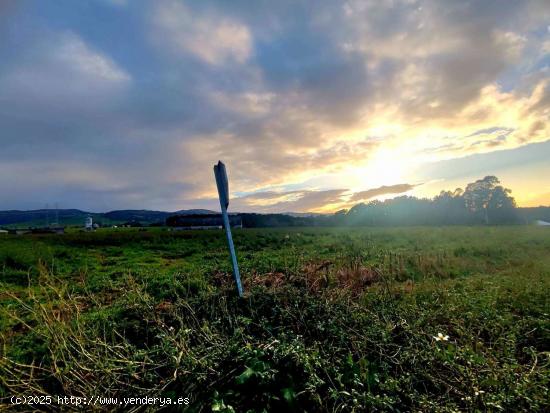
<point>386,167</point>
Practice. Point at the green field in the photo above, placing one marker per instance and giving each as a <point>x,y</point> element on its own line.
<point>333,319</point>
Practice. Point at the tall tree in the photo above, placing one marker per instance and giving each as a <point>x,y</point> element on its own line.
<point>487,195</point>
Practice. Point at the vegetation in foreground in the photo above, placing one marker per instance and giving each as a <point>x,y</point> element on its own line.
<point>430,319</point>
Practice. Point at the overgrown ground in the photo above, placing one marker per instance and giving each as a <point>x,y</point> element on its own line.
<point>333,319</point>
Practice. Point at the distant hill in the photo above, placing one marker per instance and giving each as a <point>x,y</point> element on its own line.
<point>146,216</point>
<point>43,217</point>
<point>76,217</point>
<point>67,217</point>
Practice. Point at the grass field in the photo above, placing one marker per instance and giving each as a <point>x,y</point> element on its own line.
<point>340,319</point>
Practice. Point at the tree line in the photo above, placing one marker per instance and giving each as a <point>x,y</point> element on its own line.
<point>484,201</point>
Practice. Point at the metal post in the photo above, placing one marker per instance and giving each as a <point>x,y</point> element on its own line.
<point>223,192</point>
<point>234,264</point>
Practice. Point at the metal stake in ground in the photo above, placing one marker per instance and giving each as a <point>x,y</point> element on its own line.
<point>223,192</point>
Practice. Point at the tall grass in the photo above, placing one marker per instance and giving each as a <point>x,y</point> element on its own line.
<point>351,324</point>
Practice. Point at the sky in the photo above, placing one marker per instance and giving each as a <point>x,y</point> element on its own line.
<point>312,105</point>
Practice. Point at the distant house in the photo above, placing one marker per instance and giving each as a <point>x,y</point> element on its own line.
<point>202,221</point>
<point>542,223</point>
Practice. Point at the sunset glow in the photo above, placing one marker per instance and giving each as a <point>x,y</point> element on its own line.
<point>114,104</point>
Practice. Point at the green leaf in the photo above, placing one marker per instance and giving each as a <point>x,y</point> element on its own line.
<point>289,394</point>
<point>245,376</point>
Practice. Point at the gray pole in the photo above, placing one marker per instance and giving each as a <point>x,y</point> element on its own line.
<point>235,265</point>
<point>223,192</point>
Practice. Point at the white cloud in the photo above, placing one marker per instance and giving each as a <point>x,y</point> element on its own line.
<point>511,43</point>
<point>63,68</point>
<point>83,60</point>
<point>214,39</point>
<point>247,104</point>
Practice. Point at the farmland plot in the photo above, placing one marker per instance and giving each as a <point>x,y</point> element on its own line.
<point>431,319</point>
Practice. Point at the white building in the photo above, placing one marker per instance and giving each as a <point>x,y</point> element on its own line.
<point>89,224</point>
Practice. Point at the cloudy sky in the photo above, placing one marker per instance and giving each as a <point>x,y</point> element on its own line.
<point>312,105</point>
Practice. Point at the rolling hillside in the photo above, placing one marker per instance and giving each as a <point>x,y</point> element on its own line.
<point>69,217</point>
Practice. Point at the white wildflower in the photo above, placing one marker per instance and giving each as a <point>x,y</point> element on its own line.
<point>441,337</point>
